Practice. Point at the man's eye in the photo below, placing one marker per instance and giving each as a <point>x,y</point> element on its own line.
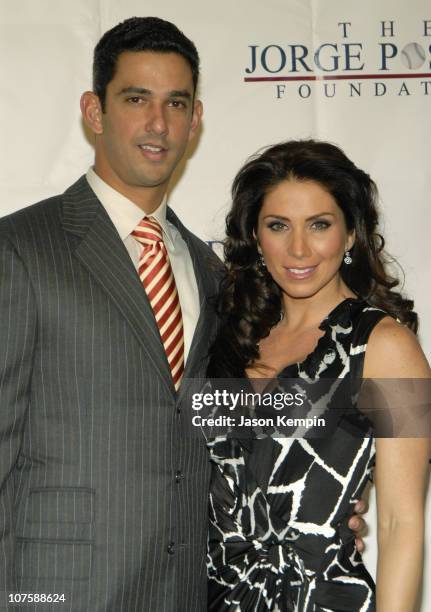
<point>177,104</point>
<point>135,100</point>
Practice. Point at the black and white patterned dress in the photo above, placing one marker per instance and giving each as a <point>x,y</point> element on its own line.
<point>279,506</point>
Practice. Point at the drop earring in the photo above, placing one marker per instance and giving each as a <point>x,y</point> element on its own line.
<point>260,258</point>
<point>347,258</point>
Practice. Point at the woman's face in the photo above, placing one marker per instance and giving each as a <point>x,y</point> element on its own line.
<point>302,236</point>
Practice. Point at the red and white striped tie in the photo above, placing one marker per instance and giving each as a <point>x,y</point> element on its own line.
<point>158,280</point>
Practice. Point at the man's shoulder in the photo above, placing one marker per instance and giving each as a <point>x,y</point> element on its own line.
<point>205,249</point>
<point>29,217</point>
<point>205,252</point>
<point>40,216</point>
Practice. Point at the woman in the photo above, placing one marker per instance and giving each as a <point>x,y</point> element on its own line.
<point>307,296</point>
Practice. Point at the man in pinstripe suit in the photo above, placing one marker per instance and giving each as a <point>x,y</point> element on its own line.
<point>103,485</point>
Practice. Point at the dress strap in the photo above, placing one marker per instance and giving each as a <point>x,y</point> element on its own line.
<point>366,321</point>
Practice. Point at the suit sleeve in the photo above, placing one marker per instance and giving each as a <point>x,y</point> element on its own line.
<point>17,344</point>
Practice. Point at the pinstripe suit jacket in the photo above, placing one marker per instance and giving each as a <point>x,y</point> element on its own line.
<point>103,487</point>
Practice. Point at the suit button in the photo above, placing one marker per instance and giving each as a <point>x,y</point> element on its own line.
<point>178,476</point>
<point>171,548</point>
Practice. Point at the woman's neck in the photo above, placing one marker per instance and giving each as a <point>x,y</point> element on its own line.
<point>304,313</point>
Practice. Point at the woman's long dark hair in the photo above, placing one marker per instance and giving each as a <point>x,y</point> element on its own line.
<point>250,301</point>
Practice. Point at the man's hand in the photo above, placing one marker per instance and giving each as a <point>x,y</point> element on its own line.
<point>358,524</point>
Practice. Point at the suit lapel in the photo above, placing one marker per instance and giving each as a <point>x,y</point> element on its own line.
<point>103,253</point>
<point>207,286</point>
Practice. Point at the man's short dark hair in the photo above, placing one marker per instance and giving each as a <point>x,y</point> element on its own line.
<point>139,34</point>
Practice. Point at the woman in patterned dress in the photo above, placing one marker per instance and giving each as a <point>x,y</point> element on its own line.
<point>307,297</point>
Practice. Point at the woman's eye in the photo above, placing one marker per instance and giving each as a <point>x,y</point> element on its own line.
<point>320,225</point>
<point>277,226</point>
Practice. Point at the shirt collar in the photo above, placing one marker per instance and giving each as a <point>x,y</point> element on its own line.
<point>125,214</point>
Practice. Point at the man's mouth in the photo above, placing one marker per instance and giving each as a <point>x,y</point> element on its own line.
<point>152,151</point>
<point>152,148</point>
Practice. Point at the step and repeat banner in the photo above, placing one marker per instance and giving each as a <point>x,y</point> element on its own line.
<point>355,73</point>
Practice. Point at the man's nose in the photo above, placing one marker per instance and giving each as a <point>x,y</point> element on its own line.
<point>156,120</point>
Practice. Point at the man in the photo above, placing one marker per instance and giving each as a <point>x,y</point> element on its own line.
<point>104,297</point>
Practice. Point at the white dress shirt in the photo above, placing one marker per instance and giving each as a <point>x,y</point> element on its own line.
<point>125,215</point>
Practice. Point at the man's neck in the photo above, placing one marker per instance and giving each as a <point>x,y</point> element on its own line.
<point>147,198</point>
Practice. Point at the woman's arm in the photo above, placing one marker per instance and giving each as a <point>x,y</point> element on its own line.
<point>400,476</point>
<point>401,467</point>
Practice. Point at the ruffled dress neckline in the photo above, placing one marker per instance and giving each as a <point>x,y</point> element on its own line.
<point>336,322</point>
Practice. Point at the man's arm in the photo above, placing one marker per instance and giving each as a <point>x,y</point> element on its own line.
<point>17,343</point>
<point>358,524</point>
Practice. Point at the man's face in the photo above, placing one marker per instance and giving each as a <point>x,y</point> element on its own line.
<point>149,118</point>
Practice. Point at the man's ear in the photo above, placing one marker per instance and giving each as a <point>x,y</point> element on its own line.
<point>196,118</point>
<point>91,110</point>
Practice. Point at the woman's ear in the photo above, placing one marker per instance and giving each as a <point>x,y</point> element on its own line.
<point>350,240</point>
<point>259,250</point>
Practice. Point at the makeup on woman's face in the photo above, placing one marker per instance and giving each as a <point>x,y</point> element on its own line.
<point>302,235</point>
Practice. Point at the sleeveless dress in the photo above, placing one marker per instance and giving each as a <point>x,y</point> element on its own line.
<point>278,535</point>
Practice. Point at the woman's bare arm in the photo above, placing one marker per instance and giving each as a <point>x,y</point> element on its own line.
<point>400,476</point>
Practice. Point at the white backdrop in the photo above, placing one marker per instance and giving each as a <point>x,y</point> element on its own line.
<point>371,62</point>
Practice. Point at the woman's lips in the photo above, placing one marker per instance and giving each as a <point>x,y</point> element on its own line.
<point>300,273</point>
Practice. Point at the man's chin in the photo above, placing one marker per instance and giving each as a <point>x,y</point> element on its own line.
<point>150,181</point>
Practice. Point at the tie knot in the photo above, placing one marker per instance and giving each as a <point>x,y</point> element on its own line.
<point>148,231</point>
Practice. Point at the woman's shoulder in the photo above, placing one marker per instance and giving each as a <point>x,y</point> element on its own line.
<point>393,351</point>
<point>364,318</point>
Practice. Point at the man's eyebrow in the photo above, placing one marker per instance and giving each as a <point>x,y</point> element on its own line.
<point>180,93</point>
<point>175,93</point>
<point>135,90</point>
